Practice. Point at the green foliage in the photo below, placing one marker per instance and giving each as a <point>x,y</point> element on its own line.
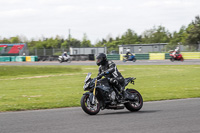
<point>130,37</point>
<point>85,42</point>
<point>193,31</point>
<point>15,40</point>
<point>156,35</point>
<point>11,40</point>
<point>177,37</point>
<point>58,53</point>
<point>5,40</point>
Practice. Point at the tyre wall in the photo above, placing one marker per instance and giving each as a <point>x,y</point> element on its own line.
<point>191,55</point>
<point>156,56</point>
<point>18,58</point>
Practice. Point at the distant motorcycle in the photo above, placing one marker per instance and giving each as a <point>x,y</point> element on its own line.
<point>178,57</point>
<point>102,95</point>
<point>129,58</point>
<point>62,59</point>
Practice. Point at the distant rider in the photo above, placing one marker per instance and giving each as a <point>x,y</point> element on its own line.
<point>65,56</point>
<point>109,69</point>
<point>175,52</point>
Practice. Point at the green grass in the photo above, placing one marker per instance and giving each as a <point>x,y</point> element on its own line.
<point>42,87</point>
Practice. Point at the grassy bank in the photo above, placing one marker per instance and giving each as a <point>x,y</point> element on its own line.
<point>41,87</point>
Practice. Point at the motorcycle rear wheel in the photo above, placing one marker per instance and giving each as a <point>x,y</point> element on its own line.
<point>134,60</point>
<point>69,61</point>
<point>88,107</point>
<point>135,105</point>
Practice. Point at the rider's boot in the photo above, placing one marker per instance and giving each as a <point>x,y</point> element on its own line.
<point>120,89</point>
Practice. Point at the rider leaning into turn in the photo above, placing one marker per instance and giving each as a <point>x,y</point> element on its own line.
<point>109,69</point>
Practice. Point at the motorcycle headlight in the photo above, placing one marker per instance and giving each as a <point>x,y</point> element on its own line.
<point>86,85</point>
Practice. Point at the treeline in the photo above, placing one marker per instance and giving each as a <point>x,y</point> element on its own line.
<point>187,35</point>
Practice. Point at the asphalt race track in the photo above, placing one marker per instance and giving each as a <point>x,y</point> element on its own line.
<point>173,116</point>
<point>138,62</point>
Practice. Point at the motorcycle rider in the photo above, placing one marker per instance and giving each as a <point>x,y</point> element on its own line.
<point>109,69</point>
<point>127,53</point>
<point>65,56</point>
<point>176,51</point>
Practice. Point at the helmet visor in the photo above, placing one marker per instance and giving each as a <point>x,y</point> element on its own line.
<point>98,61</point>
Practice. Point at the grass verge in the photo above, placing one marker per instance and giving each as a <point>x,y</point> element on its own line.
<point>44,87</point>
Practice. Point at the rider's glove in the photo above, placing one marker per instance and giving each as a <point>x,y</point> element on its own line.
<point>106,73</point>
<point>102,74</point>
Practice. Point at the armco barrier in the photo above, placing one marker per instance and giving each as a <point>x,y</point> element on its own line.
<point>31,58</point>
<point>191,55</point>
<point>18,58</point>
<point>156,56</point>
<point>113,57</point>
<point>121,56</point>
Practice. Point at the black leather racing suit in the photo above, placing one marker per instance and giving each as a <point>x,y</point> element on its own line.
<point>110,71</point>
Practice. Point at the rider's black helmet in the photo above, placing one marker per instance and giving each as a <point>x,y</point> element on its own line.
<point>101,59</point>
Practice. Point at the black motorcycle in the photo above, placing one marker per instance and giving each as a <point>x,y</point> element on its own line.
<point>102,95</point>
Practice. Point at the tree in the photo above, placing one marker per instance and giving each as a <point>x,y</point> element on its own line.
<point>193,31</point>
<point>5,40</point>
<point>99,44</point>
<point>59,41</point>
<point>156,35</point>
<point>85,42</point>
<point>65,44</point>
<point>74,43</point>
<point>130,37</point>
<point>177,37</point>
<point>15,40</point>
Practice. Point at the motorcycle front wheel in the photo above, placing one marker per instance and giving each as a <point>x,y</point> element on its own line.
<point>137,103</point>
<point>60,61</point>
<point>69,60</point>
<point>124,60</point>
<point>91,109</point>
<point>172,59</point>
<point>182,59</point>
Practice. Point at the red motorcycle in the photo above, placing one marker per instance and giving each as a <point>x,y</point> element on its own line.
<point>178,57</point>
